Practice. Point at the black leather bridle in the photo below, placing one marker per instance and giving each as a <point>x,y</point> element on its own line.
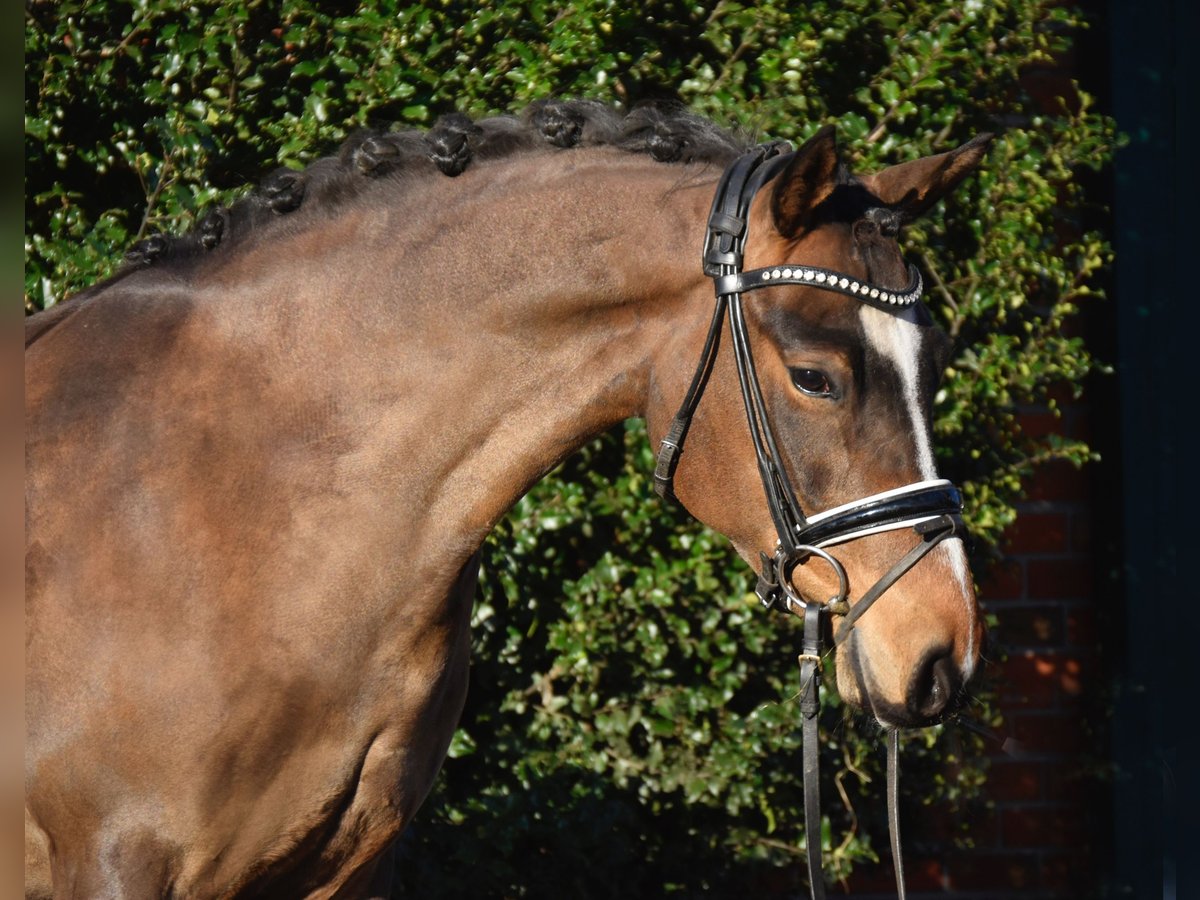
<point>932,509</point>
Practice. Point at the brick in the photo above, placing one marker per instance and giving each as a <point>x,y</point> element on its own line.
<point>1058,734</point>
<point>1009,782</point>
<point>1040,422</point>
<point>920,874</point>
<point>925,874</point>
<point>1070,782</point>
<point>780,882</point>
<point>976,827</point>
<point>1038,533</point>
<point>1058,481</point>
<point>1079,423</point>
<point>1081,533</point>
<point>1042,827</point>
<point>1070,875</point>
<point>1065,578</point>
<point>1081,627</point>
<point>1003,581</point>
<point>984,830</point>
<point>1063,393</point>
<point>1051,677</point>
<point>1070,676</point>
<point>991,871</point>
<point>1043,626</point>
<point>1028,680</point>
<point>868,878</point>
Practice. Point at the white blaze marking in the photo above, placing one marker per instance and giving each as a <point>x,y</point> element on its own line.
<point>900,343</point>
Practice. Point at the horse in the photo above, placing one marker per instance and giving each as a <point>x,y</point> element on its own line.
<point>262,459</point>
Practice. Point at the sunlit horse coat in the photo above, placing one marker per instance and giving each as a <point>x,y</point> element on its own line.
<point>262,458</point>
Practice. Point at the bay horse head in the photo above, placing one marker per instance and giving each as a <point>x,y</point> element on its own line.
<point>838,395</point>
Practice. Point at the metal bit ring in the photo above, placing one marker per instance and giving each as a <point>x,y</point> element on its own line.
<point>787,564</point>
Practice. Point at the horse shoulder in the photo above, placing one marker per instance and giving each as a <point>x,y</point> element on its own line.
<point>85,352</point>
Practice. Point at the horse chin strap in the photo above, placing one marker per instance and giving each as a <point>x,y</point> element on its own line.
<point>932,509</point>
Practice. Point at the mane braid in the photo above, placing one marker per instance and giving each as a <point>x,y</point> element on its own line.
<point>667,133</point>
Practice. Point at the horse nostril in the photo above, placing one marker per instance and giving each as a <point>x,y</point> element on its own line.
<point>935,687</point>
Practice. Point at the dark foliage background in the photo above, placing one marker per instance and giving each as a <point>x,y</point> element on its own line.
<point>630,729</point>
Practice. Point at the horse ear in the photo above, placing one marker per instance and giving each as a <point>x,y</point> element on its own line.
<point>913,187</point>
<point>809,178</point>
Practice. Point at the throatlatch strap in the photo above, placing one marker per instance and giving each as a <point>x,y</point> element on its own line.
<point>672,444</point>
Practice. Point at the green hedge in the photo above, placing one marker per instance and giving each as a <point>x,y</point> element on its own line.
<point>630,728</point>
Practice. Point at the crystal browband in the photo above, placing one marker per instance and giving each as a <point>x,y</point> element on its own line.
<point>823,278</point>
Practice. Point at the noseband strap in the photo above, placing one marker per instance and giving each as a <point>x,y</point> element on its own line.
<point>932,509</point>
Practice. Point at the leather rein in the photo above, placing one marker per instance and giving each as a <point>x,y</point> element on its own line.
<point>932,509</point>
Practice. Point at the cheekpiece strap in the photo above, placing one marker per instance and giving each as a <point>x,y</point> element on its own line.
<point>726,237</point>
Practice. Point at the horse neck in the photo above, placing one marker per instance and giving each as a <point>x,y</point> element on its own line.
<point>487,326</point>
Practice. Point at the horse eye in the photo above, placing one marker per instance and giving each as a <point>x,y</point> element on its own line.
<point>812,381</point>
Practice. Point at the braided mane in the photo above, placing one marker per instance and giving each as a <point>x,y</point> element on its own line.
<point>668,134</point>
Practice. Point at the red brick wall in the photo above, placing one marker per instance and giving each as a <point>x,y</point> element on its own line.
<point>1046,827</point>
<point>1046,816</point>
<point>1042,825</point>
<point>1043,810</point>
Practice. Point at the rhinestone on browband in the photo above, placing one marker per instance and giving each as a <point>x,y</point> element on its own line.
<point>826,279</point>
